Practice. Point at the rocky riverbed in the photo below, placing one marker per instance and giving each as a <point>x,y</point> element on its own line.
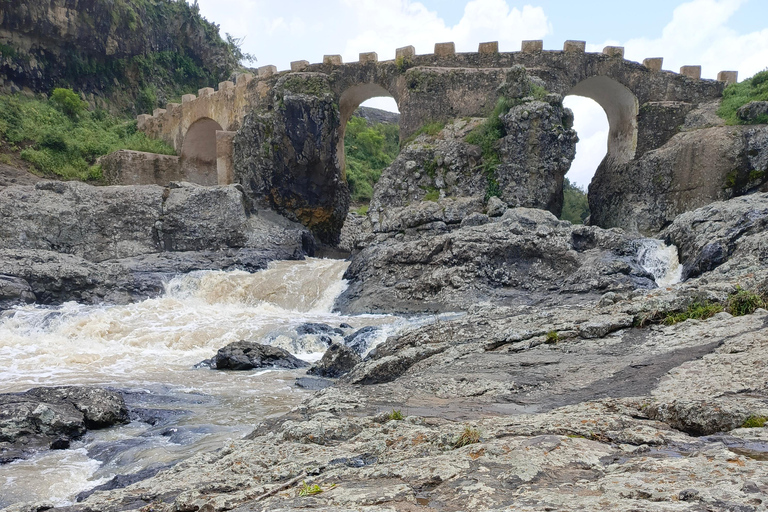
<point>574,399</point>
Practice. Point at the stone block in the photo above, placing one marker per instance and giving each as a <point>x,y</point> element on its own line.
<point>205,91</point>
<point>225,173</point>
<point>489,47</point>
<point>223,86</point>
<point>187,98</point>
<point>365,58</point>
<point>170,107</point>
<point>142,119</point>
<point>243,78</point>
<point>614,51</point>
<point>445,49</point>
<point>158,112</point>
<point>299,65</point>
<point>575,46</point>
<point>729,77</point>
<point>265,71</point>
<point>654,64</point>
<point>406,52</point>
<point>691,71</point>
<point>333,60</point>
<point>532,46</point>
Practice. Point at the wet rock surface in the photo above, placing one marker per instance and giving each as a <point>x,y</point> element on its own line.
<point>246,355</point>
<point>336,361</point>
<point>44,418</point>
<point>64,241</point>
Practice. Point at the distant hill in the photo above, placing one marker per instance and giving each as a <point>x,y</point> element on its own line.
<point>125,55</point>
<point>375,115</point>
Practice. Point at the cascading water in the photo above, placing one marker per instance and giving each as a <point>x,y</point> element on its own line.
<point>148,351</point>
<point>660,260</point>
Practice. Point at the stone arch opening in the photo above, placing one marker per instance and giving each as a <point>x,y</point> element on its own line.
<point>621,108</point>
<point>371,136</point>
<point>198,152</point>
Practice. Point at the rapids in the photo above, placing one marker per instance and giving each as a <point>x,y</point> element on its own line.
<point>148,351</point>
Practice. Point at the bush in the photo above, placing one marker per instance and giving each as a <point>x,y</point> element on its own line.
<point>57,144</point>
<point>468,436</point>
<point>368,151</point>
<point>68,101</point>
<point>744,302</point>
<point>737,95</point>
<point>575,203</point>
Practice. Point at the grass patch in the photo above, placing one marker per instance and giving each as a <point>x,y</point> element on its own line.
<point>755,422</point>
<point>431,129</point>
<point>60,138</point>
<point>552,338</point>
<point>362,211</point>
<point>432,195</point>
<point>744,302</point>
<point>468,436</point>
<point>696,311</point>
<point>737,95</point>
<point>575,203</point>
<point>311,490</point>
<point>396,415</point>
<point>368,151</point>
<point>739,303</point>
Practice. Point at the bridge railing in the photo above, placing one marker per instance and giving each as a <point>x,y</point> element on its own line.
<point>441,51</point>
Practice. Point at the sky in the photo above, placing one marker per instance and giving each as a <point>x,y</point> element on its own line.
<point>716,34</point>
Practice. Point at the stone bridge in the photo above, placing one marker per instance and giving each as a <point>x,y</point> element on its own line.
<point>644,104</point>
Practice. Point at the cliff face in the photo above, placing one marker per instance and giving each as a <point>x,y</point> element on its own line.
<point>117,50</point>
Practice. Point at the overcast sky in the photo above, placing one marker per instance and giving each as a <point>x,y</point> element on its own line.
<point>716,34</point>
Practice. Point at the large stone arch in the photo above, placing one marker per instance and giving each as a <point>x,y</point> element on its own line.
<point>199,153</point>
<point>621,106</point>
<point>349,101</point>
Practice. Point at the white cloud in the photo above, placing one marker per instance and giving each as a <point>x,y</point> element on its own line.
<point>591,123</point>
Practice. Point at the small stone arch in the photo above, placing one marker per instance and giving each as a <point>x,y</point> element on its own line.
<point>621,106</point>
<point>199,152</point>
<point>349,101</point>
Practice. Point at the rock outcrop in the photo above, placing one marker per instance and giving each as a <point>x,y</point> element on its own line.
<point>336,361</point>
<point>72,241</point>
<point>247,355</point>
<point>53,417</point>
<point>525,256</point>
<point>285,156</point>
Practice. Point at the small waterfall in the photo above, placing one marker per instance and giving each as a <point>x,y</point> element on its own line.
<point>660,260</point>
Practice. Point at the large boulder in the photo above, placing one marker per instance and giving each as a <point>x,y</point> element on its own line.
<point>336,361</point>
<point>523,256</point>
<point>286,156</point>
<point>53,417</point>
<point>693,169</point>
<point>733,232</point>
<point>247,355</point>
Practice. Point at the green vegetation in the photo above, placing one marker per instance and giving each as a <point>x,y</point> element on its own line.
<point>739,303</point>
<point>552,338</point>
<point>396,415</point>
<point>368,151</point>
<point>432,128</point>
<point>755,422</point>
<point>468,436</point>
<point>309,490</point>
<point>487,136</point>
<point>60,138</point>
<point>362,211</point>
<point>738,95</point>
<point>744,302</point>
<point>575,203</point>
<point>432,194</point>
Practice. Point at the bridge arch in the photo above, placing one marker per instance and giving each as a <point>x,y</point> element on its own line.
<point>621,106</point>
<point>349,101</point>
<point>198,152</point>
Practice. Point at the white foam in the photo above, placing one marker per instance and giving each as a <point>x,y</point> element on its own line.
<point>661,261</point>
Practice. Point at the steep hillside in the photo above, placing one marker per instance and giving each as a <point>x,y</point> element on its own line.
<point>125,55</point>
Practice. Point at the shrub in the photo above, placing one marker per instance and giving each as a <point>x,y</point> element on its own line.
<point>395,415</point>
<point>368,150</point>
<point>575,203</point>
<point>552,338</point>
<point>737,95</point>
<point>468,436</point>
<point>744,302</point>
<point>68,101</point>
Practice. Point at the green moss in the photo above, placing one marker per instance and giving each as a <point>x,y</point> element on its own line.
<point>730,179</point>
<point>737,95</point>
<point>362,211</point>
<point>403,64</point>
<point>432,194</point>
<point>755,422</point>
<point>431,168</point>
<point>307,84</point>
